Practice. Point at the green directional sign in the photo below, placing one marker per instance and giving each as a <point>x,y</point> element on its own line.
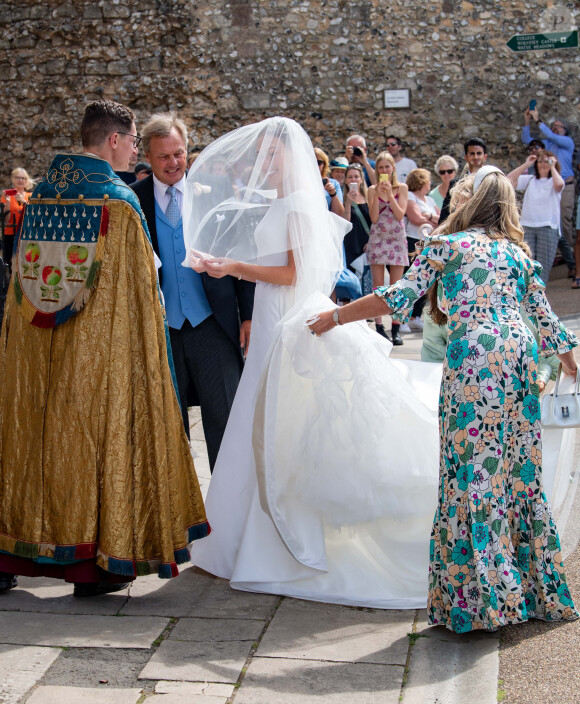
<point>543,42</point>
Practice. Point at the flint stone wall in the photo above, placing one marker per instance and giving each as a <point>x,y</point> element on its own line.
<point>323,62</point>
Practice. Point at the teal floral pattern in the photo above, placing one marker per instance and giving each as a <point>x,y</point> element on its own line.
<point>495,553</point>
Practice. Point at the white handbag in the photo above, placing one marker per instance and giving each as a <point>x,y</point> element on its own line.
<point>562,410</point>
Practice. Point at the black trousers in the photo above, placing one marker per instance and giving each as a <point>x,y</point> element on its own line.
<point>206,359</point>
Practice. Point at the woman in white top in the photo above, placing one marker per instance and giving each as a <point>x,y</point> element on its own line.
<point>541,207</point>
<point>446,168</point>
<point>421,214</point>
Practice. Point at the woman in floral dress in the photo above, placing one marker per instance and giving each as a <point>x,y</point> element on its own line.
<point>495,552</point>
<point>387,243</point>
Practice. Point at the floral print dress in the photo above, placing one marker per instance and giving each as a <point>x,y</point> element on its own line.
<point>495,553</point>
<point>387,239</point>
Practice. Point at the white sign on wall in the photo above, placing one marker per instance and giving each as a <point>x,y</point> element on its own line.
<point>400,98</point>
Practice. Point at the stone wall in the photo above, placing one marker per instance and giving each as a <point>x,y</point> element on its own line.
<point>322,62</point>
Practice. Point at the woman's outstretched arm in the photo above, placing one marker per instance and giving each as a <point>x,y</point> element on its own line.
<point>369,306</point>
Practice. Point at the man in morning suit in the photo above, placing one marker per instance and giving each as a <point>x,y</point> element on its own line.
<point>203,313</point>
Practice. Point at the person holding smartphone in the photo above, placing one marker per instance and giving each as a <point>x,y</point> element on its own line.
<point>14,200</point>
<point>541,206</point>
<point>387,239</point>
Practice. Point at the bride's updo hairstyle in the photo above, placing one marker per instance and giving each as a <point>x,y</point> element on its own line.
<point>491,207</point>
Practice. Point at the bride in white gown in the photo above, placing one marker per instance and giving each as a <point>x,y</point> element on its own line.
<point>326,481</point>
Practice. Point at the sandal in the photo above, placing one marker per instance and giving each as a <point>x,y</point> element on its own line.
<point>576,282</point>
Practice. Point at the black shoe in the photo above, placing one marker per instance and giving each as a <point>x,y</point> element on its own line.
<point>397,339</point>
<point>381,330</point>
<point>97,588</point>
<point>7,581</point>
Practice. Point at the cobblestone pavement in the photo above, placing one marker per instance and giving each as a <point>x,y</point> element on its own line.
<point>193,640</point>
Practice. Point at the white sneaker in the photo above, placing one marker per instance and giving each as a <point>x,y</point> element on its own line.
<point>416,324</point>
<point>404,328</point>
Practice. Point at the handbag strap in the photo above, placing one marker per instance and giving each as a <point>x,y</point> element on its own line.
<point>560,375</point>
<point>361,217</point>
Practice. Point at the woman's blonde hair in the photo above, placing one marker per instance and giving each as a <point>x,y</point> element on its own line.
<point>363,190</point>
<point>323,156</point>
<point>19,171</point>
<point>385,156</point>
<point>492,207</point>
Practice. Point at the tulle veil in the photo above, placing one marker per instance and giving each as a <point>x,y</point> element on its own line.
<point>239,177</point>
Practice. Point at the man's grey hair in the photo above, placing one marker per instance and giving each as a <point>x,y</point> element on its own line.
<point>358,136</point>
<point>160,125</point>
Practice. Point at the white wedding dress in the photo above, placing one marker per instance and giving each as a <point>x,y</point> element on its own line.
<point>325,485</point>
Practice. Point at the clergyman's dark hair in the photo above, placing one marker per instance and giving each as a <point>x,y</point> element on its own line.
<point>102,118</point>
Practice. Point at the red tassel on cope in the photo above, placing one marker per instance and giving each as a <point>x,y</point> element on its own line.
<point>104,221</point>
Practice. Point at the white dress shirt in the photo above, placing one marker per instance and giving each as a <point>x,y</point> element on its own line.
<point>162,197</point>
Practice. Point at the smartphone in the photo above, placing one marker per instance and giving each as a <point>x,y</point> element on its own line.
<point>324,181</point>
<point>533,104</point>
<point>353,188</point>
<point>10,192</point>
<point>383,177</point>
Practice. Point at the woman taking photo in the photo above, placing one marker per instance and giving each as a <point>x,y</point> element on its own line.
<point>356,211</point>
<point>331,185</point>
<point>387,244</point>
<point>422,216</point>
<point>540,216</point>
<point>446,168</point>
<point>495,552</point>
<point>14,205</point>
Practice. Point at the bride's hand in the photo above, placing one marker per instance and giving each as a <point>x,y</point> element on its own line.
<point>197,262</point>
<point>220,267</point>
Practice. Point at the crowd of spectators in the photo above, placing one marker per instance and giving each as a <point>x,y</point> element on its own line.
<point>391,201</point>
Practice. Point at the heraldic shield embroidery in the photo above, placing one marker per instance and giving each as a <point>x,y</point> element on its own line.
<point>59,252</point>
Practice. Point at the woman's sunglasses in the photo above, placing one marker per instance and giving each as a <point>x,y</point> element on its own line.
<point>319,162</point>
<point>446,171</point>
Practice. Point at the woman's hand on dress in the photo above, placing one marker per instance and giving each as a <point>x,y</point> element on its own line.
<point>322,322</point>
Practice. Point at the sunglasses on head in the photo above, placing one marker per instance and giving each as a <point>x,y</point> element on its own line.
<point>446,171</point>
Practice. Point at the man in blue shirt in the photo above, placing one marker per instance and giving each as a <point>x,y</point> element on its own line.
<point>208,319</point>
<point>558,142</point>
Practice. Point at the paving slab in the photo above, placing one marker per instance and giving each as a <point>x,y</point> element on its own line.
<point>175,698</point>
<point>83,695</point>
<point>88,667</point>
<point>281,681</point>
<point>20,669</point>
<point>197,662</point>
<point>313,631</point>
<point>77,631</point>
<point>151,596</point>
<point>217,629</point>
<point>214,689</point>
<point>45,595</point>
<point>451,668</point>
<point>221,601</point>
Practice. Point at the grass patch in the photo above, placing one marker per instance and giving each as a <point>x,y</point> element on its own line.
<point>414,637</point>
<point>501,693</point>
